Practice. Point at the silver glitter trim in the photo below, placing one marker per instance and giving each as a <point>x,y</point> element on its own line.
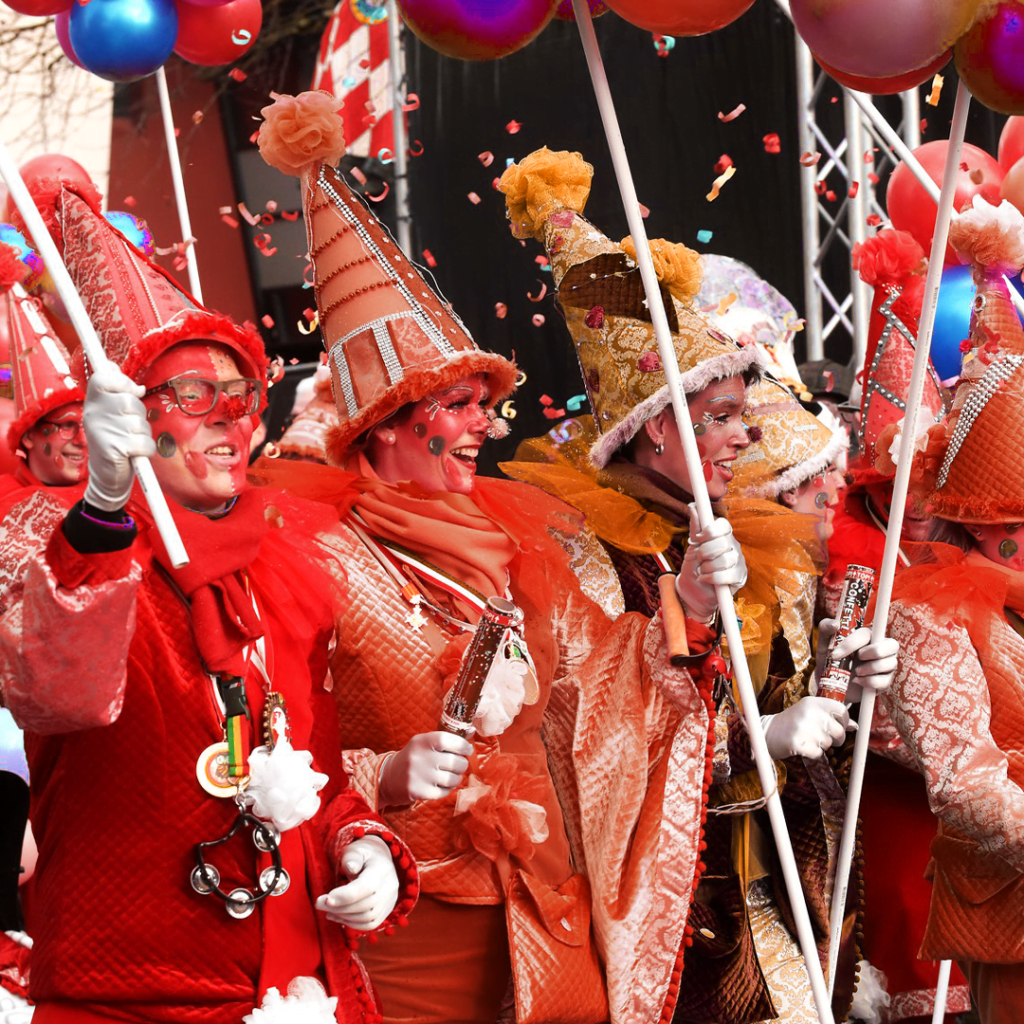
<point>344,379</point>
<point>1000,371</point>
<point>387,352</point>
<point>418,313</point>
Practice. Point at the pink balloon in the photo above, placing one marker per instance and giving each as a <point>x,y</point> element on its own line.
<point>60,24</point>
<point>1011,142</point>
<point>881,38</point>
<point>39,7</point>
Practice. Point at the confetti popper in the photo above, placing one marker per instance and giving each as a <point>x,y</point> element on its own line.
<point>705,515</point>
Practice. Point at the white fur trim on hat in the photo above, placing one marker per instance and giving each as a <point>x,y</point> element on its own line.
<point>803,471</point>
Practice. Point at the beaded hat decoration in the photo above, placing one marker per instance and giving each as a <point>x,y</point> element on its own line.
<point>981,476</point>
<point>390,339</point>
<point>601,293</point>
<point>792,445</point>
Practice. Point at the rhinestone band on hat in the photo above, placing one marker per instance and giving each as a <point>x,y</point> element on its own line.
<point>344,379</point>
<point>387,352</point>
<point>422,318</point>
<point>997,373</point>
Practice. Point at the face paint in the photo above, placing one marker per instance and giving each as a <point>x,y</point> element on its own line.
<point>203,458</point>
<point>437,443</point>
<point>819,496</point>
<point>1000,543</point>
<point>53,459</point>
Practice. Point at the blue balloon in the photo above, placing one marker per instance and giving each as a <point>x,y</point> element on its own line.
<point>11,236</point>
<point>134,229</point>
<point>123,40</point>
<point>953,319</point>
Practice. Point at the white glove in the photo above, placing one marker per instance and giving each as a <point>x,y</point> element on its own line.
<point>808,728</point>
<point>116,431</point>
<point>365,902</point>
<point>874,665</point>
<point>713,556</point>
<point>502,698</point>
<point>428,767</point>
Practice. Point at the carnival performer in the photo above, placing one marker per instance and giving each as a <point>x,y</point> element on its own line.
<point>559,850</point>
<point>894,808</point>
<point>957,695</point>
<point>194,865</point>
<point>744,965</point>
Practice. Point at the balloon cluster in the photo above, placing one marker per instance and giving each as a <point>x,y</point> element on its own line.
<point>125,40</point>
<point>887,46</point>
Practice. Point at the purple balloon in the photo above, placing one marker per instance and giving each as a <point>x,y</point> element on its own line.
<point>61,23</point>
<point>477,29</point>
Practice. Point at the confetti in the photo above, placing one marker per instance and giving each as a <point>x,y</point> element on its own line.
<point>130,201</point>
<point>358,175</point>
<point>791,322</point>
<point>704,236</point>
<point>365,63</point>
<point>726,302</point>
<point>382,196</point>
<point>717,184</point>
<point>977,175</point>
<point>543,292</point>
<point>416,149</point>
<point>271,206</point>
<point>538,320</point>
<point>820,186</point>
<point>412,102</point>
<point>385,155</point>
<point>486,158</point>
<point>500,310</point>
<point>644,211</point>
<point>575,403</point>
<point>249,218</point>
<point>772,143</point>
<point>262,242</point>
<point>924,125</point>
<point>267,320</point>
<point>521,378</point>
<point>229,220</point>
<point>964,166</point>
<point>513,127</point>
<point>546,400</point>
<point>873,220</point>
<point>243,37</point>
<point>809,159</point>
<point>664,44</point>
<point>496,185</point>
<point>290,215</point>
<point>854,189</point>
<point>933,97</point>
<point>830,196</point>
<point>237,74</point>
<point>429,257</point>
<point>869,155</point>
<point>311,315</point>
<point>554,414</point>
<point>543,262</point>
<point>508,411</point>
<point>873,178</point>
<point>733,114</point>
<point>303,329</point>
<point>724,163</point>
<point>197,117</point>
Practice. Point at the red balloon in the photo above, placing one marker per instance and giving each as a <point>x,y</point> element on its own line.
<point>39,7</point>
<point>990,58</point>
<point>217,35</point>
<point>912,209</point>
<point>1011,142</point>
<point>680,17</point>
<point>888,86</point>
<point>477,29</point>
<point>1012,187</point>
<point>565,11</point>
<point>48,166</point>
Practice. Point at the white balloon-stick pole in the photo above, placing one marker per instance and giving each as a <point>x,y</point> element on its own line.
<point>941,991</point>
<point>91,345</point>
<point>179,186</point>
<point>741,671</point>
<point>396,73</point>
<point>887,573</point>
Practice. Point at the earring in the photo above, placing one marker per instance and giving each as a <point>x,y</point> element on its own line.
<point>659,448</point>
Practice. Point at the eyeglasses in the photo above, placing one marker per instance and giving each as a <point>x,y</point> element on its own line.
<point>197,396</point>
<point>66,429</point>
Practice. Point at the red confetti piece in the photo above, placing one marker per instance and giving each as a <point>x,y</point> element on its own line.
<point>382,196</point>
<point>262,242</point>
<point>255,135</point>
<point>513,127</point>
<point>229,220</point>
<point>496,184</point>
<point>358,175</point>
<point>830,196</point>
<point>772,143</point>
<point>964,166</point>
<point>835,99</point>
<point>130,201</point>
<point>820,186</point>
<point>724,163</point>
<point>540,297</point>
<point>541,261</point>
<point>293,215</point>
<point>854,189</point>
<point>873,220</point>
<point>873,178</point>
<point>965,345</point>
<point>293,361</point>
<point>474,198</point>
<point>554,414</point>
<point>546,400</point>
<point>249,218</point>
<point>486,158</point>
<point>309,314</point>
<point>267,320</point>
<point>924,124</point>
<point>977,175</point>
<point>809,159</point>
<point>733,114</point>
<point>271,206</point>
<point>266,219</point>
<point>869,155</point>
<point>237,74</point>
<point>416,149</point>
<point>177,133</point>
<point>429,257</point>
<point>364,63</point>
<point>197,117</point>
<point>538,320</point>
<point>644,211</point>
<point>412,102</point>
<point>500,310</point>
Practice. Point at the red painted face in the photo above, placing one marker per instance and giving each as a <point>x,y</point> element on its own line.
<point>1001,543</point>
<point>436,444</point>
<point>201,460</point>
<point>53,459</point>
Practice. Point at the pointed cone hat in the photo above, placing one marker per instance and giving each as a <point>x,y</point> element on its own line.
<point>981,476</point>
<point>602,296</point>
<point>390,338</point>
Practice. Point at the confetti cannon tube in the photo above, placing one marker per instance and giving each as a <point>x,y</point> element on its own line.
<point>765,767</point>
<point>90,341</point>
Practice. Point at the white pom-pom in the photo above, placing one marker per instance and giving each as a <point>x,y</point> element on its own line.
<point>870,996</point>
<point>306,1003</point>
<point>282,786</point>
<point>989,236</point>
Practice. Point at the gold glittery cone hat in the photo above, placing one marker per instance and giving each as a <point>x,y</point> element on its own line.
<point>981,475</point>
<point>390,338</point>
<point>602,296</point>
<point>792,445</point>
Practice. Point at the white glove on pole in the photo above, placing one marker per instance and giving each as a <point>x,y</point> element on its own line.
<point>502,698</point>
<point>365,902</point>
<point>428,767</point>
<point>874,665</point>
<point>117,431</point>
<point>806,729</point>
<point>713,557</point>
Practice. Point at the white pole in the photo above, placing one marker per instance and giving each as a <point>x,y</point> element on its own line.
<point>899,500</point>
<point>396,72</point>
<point>91,345</point>
<point>941,991</point>
<point>179,186</point>
<point>856,225</point>
<point>705,515</point>
<point>911,100</point>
